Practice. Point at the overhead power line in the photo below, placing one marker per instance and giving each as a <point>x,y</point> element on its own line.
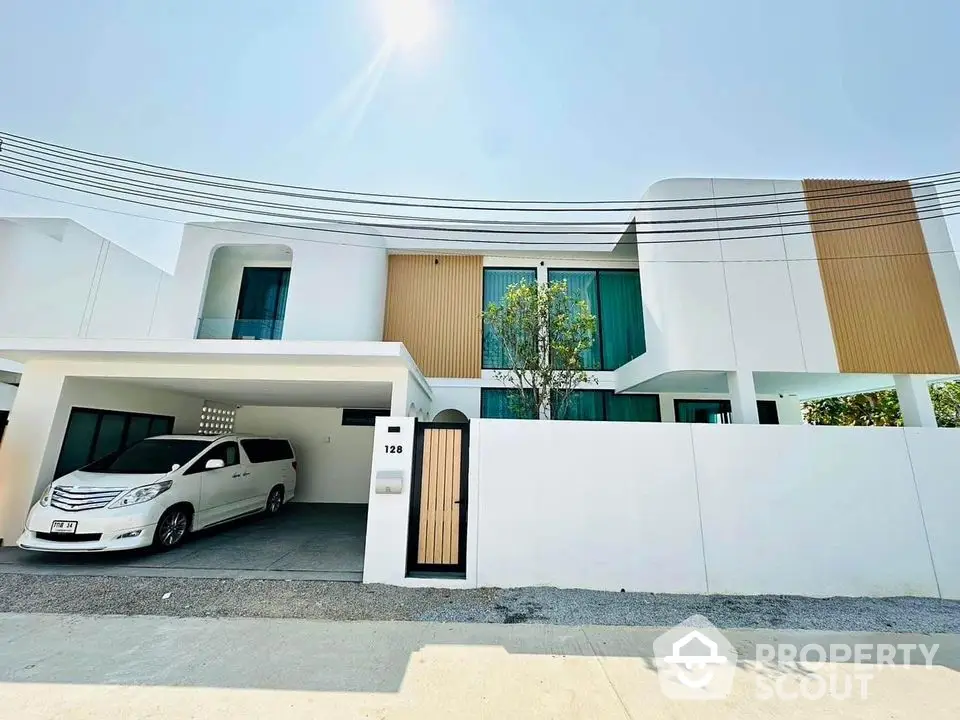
<point>453,203</point>
<point>84,175</point>
<point>435,252</point>
<point>835,225</point>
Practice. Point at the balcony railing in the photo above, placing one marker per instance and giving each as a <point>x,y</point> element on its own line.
<point>238,329</point>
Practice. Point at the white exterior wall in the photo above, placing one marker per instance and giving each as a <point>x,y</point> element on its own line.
<point>7,394</point>
<point>333,460</point>
<point>455,394</point>
<point>59,280</point>
<point>336,292</point>
<point>739,509</point>
<point>733,298</point>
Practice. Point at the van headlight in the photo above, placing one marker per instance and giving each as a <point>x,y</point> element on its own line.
<point>47,494</point>
<point>142,494</point>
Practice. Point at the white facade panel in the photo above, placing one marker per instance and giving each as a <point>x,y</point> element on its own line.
<point>813,318</point>
<point>943,256</point>
<point>336,292</point>
<point>742,208</point>
<point>455,395</point>
<point>592,505</point>
<point>795,228</point>
<point>126,296</point>
<point>333,460</point>
<point>45,281</point>
<point>809,510</point>
<point>765,329</point>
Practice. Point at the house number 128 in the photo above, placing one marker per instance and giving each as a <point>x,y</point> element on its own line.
<point>394,449</point>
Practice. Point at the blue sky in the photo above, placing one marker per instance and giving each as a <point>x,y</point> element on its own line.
<point>544,99</point>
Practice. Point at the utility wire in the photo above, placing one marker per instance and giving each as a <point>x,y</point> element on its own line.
<point>845,225</point>
<point>448,253</point>
<point>908,211</point>
<point>479,204</point>
<point>70,171</point>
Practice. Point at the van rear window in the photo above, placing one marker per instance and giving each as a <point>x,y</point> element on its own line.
<point>262,450</point>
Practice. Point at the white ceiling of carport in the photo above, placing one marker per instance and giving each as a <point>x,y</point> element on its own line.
<point>278,393</point>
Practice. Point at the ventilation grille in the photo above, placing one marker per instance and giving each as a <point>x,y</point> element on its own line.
<point>216,419</point>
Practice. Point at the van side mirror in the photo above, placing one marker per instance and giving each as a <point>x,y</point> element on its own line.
<point>214,464</point>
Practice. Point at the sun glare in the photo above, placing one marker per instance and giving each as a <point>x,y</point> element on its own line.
<point>408,23</point>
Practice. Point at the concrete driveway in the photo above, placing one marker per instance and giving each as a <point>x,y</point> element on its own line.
<point>310,541</point>
<point>56,666</point>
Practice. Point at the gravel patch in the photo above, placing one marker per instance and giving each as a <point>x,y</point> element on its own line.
<point>195,597</point>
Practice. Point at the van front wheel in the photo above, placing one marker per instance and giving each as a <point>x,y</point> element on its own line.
<point>172,528</point>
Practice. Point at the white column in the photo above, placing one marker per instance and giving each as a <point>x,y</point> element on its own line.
<point>743,397</point>
<point>790,410</point>
<point>28,451</point>
<point>916,405</point>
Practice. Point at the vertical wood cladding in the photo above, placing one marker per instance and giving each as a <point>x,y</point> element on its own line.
<point>882,298</point>
<point>433,307</point>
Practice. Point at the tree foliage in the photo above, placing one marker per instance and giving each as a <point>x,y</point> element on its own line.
<point>882,408</point>
<point>543,332</point>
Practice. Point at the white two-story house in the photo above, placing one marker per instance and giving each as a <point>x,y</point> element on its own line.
<point>310,333</point>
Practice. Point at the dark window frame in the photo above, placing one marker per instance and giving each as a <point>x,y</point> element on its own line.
<point>486,391</point>
<point>726,409</point>
<point>483,294</point>
<point>279,313</point>
<point>361,417</point>
<point>100,413</point>
<point>596,273</point>
<point>4,419</point>
<point>607,394</point>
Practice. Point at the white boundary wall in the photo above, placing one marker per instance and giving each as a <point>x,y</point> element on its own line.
<point>739,509</point>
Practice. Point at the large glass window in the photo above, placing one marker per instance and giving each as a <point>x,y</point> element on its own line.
<point>495,403</point>
<point>94,434</point>
<point>607,405</point>
<point>495,284</point>
<point>262,303</point>
<point>614,298</point>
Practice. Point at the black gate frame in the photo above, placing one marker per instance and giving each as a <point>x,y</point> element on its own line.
<point>415,569</point>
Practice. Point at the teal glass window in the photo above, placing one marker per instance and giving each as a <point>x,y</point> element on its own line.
<point>609,406</point>
<point>495,403</point>
<point>262,303</point>
<point>582,285</point>
<point>495,284</point>
<point>621,317</point>
<point>614,298</point>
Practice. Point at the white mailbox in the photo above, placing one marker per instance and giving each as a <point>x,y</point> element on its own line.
<point>390,482</point>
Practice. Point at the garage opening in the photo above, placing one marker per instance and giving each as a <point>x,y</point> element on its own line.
<point>320,531</point>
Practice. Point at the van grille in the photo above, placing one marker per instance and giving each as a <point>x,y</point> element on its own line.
<point>74,499</point>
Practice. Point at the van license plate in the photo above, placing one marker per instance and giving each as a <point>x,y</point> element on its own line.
<point>64,526</point>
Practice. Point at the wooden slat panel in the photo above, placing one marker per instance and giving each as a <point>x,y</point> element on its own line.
<point>433,307</point>
<point>454,512</point>
<point>882,298</point>
<point>424,497</point>
<point>438,511</point>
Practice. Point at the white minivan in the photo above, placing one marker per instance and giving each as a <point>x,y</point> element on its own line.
<point>159,490</point>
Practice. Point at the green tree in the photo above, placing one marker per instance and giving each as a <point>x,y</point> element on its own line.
<point>543,332</point>
<point>882,408</point>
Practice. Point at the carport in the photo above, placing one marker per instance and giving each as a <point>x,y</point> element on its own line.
<point>295,390</point>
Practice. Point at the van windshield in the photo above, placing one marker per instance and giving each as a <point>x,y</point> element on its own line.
<point>149,457</point>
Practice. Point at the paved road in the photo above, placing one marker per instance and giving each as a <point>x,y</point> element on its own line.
<point>145,667</point>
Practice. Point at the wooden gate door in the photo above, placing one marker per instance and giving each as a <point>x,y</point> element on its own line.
<point>437,536</point>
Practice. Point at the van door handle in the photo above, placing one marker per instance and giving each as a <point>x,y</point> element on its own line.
<point>236,475</point>
<point>246,474</point>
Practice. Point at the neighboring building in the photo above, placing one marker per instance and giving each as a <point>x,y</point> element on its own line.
<point>284,329</point>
